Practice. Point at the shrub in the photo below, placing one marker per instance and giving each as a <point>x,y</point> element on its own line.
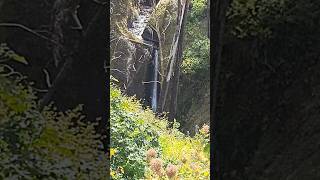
<point>196,51</point>
<point>131,136</point>
<point>189,154</point>
<point>143,147</point>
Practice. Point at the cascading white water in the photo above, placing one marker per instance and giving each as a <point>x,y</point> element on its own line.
<point>141,21</point>
<point>155,81</point>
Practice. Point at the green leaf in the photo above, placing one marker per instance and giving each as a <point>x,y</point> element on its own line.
<point>18,58</point>
<point>207,150</point>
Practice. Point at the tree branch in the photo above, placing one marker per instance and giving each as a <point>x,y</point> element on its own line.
<point>61,75</point>
<point>99,2</point>
<point>28,30</point>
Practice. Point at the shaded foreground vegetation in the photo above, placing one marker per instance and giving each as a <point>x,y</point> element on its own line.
<point>47,144</point>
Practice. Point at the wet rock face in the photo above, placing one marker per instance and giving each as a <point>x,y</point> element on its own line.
<point>150,35</point>
<point>130,57</point>
<point>138,72</point>
<point>149,2</point>
<point>122,59</point>
<point>130,65</point>
<point>132,52</point>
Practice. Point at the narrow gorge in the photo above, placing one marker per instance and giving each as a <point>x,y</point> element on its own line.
<point>147,57</point>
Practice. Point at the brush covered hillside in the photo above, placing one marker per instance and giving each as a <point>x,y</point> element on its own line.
<point>143,147</point>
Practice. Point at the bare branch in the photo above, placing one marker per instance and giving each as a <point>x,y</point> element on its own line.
<point>49,84</point>
<point>99,2</point>
<point>118,71</point>
<point>115,57</point>
<point>28,30</point>
<point>40,90</point>
<point>147,82</point>
<point>11,71</point>
<point>169,22</point>
<point>57,81</point>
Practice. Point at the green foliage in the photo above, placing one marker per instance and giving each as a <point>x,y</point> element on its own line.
<point>196,54</point>
<point>196,51</point>
<point>252,18</point>
<point>276,29</point>
<point>198,10</point>
<point>66,135</point>
<point>47,144</point>
<point>188,154</point>
<point>131,136</point>
<point>7,54</point>
<point>136,130</point>
<point>195,66</point>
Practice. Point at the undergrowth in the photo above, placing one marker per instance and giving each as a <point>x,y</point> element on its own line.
<point>144,147</point>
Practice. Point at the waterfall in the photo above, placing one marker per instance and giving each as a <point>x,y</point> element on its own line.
<point>155,81</point>
<point>137,28</point>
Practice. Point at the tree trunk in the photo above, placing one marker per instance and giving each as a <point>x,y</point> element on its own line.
<point>208,10</point>
<point>219,16</point>
<point>176,77</point>
<point>173,54</point>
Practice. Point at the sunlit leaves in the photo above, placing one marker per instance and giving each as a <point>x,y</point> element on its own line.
<point>135,130</point>
<point>196,49</point>
<point>131,136</point>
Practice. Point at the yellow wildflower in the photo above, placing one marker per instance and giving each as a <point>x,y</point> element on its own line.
<point>112,152</point>
<point>112,173</point>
